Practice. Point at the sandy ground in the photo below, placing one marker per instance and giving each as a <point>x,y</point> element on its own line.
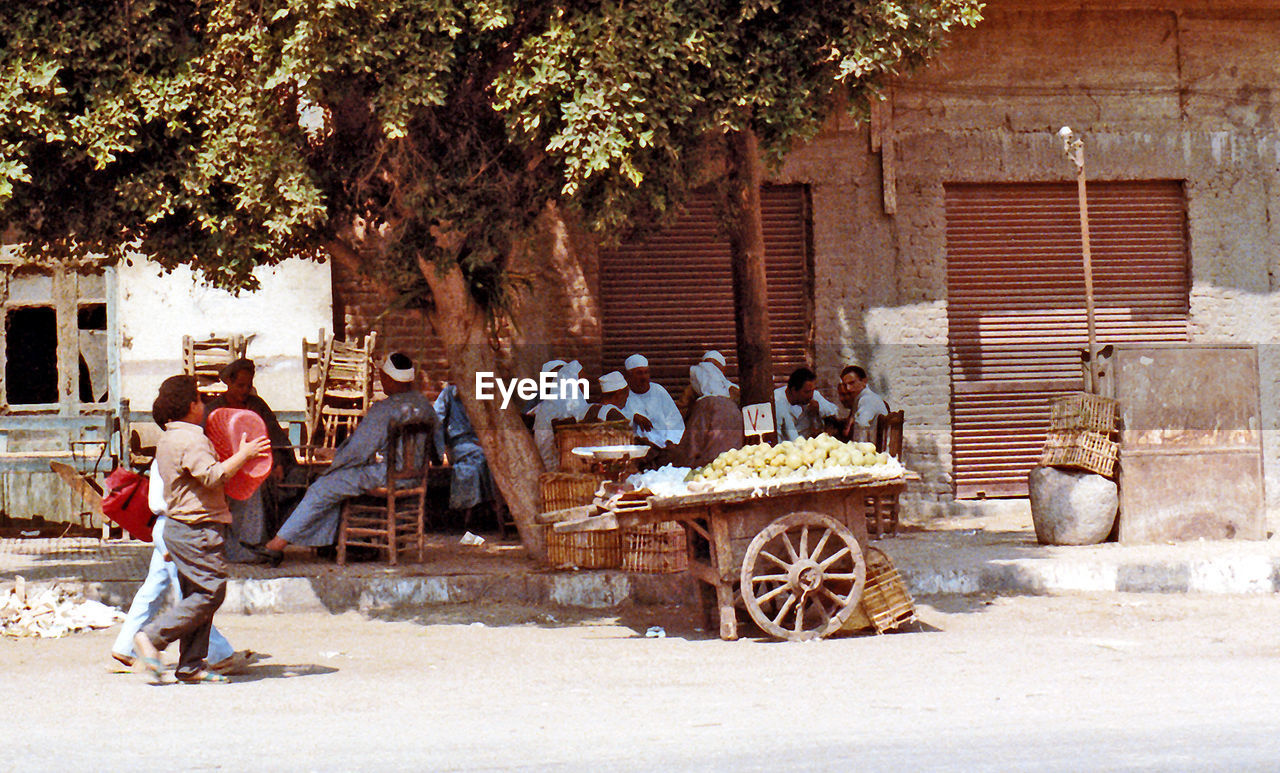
<point>1066,683</point>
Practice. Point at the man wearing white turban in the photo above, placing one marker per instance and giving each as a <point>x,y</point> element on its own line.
<point>715,422</point>
<point>573,407</point>
<point>689,396</point>
<point>656,417</point>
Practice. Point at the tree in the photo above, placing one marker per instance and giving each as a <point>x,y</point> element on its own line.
<point>420,139</point>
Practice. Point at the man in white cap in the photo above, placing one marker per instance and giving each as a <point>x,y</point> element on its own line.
<point>554,409</point>
<point>654,413</point>
<point>690,395</point>
<point>613,398</point>
<point>358,465</point>
<point>715,422</point>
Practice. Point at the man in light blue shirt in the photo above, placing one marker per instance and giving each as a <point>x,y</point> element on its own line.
<point>864,405</point>
<point>798,407</point>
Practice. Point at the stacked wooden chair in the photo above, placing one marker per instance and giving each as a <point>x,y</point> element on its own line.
<point>205,358</point>
<point>339,388</point>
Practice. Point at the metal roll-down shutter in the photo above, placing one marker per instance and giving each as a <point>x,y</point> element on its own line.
<point>1016,311</point>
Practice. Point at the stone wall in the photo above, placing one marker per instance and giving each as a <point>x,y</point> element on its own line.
<point>1176,92</point>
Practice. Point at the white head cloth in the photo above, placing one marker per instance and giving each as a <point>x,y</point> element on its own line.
<point>403,375</point>
<point>612,381</point>
<point>636,361</point>
<point>715,356</point>
<point>550,366</point>
<point>708,381</point>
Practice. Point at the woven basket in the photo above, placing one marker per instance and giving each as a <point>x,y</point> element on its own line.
<point>584,549</point>
<point>1083,411</point>
<point>886,603</point>
<point>567,489</point>
<point>598,433</point>
<point>1082,449</point>
<point>655,548</point>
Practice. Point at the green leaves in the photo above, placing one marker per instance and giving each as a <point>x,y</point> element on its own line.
<point>228,134</point>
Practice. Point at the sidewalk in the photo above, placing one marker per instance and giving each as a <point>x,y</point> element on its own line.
<point>993,555</point>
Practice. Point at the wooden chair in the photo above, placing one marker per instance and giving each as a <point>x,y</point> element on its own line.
<point>392,517</point>
<point>206,357</point>
<point>882,511</point>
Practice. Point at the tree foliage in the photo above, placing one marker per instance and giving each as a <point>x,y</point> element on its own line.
<point>225,134</point>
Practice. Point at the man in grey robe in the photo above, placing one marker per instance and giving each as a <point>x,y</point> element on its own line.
<point>358,464</point>
<point>470,484</point>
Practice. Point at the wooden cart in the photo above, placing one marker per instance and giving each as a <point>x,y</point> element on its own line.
<point>790,552</point>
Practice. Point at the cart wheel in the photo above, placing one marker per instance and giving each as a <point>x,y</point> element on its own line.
<point>802,576</point>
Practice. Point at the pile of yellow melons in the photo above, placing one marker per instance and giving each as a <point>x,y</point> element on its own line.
<point>789,459</point>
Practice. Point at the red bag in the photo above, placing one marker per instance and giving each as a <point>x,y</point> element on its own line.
<point>126,502</point>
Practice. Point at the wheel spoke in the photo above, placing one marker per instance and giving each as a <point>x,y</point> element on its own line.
<point>836,556</point>
<point>791,550</point>
<point>837,599</point>
<point>839,576</point>
<point>799,626</point>
<point>775,559</point>
<point>770,577</point>
<point>786,606</point>
<point>822,610</point>
<point>822,543</point>
<point>804,540</point>
<point>767,597</point>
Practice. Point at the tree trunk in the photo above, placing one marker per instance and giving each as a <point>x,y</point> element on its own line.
<point>513,458</point>
<point>750,286</point>
<point>508,446</point>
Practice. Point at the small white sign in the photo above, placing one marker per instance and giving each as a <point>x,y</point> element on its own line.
<point>757,419</point>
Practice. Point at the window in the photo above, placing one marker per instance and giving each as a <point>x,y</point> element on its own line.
<point>31,355</point>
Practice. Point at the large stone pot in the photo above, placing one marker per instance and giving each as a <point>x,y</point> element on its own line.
<point>1072,507</point>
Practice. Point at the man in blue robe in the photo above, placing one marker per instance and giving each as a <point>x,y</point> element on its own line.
<point>470,484</point>
<point>358,464</point>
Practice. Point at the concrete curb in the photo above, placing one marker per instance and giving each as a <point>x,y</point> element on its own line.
<point>1236,575</point>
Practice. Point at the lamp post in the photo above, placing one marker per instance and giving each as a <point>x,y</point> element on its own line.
<point>1074,149</point>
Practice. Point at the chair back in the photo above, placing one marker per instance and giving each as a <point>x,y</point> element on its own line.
<point>888,436</point>
<point>410,451</point>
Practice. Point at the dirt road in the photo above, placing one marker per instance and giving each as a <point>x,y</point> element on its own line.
<point>1115,682</point>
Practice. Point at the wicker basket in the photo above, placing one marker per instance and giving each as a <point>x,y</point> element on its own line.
<point>656,548</point>
<point>1082,449</point>
<point>567,489</point>
<point>886,603</point>
<point>1083,411</point>
<point>584,549</point>
<point>599,433</point>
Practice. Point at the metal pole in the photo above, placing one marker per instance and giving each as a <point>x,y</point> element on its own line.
<point>1075,151</point>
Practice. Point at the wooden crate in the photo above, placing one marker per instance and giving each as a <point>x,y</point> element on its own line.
<point>1083,411</point>
<point>599,433</point>
<point>560,490</point>
<point>584,549</point>
<point>1081,449</point>
<point>886,603</point>
<point>656,548</point>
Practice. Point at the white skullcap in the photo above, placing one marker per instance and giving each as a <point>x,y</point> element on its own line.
<point>551,365</point>
<point>635,361</point>
<point>715,356</point>
<point>403,375</point>
<point>612,381</point>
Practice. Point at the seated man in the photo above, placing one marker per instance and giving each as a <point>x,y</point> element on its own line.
<point>689,396</point>
<point>652,410</point>
<point>556,409</point>
<point>864,405</point>
<point>470,484</point>
<point>613,399</point>
<point>715,421</point>
<point>358,464</point>
<point>798,408</point>
<point>253,520</point>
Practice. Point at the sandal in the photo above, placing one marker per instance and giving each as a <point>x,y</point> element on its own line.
<point>264,554</point>
<point>122,659</point>
<point>148,654</point>
<point>201,677</point>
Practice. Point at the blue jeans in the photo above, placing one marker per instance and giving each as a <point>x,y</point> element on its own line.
<point>162,580</point>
